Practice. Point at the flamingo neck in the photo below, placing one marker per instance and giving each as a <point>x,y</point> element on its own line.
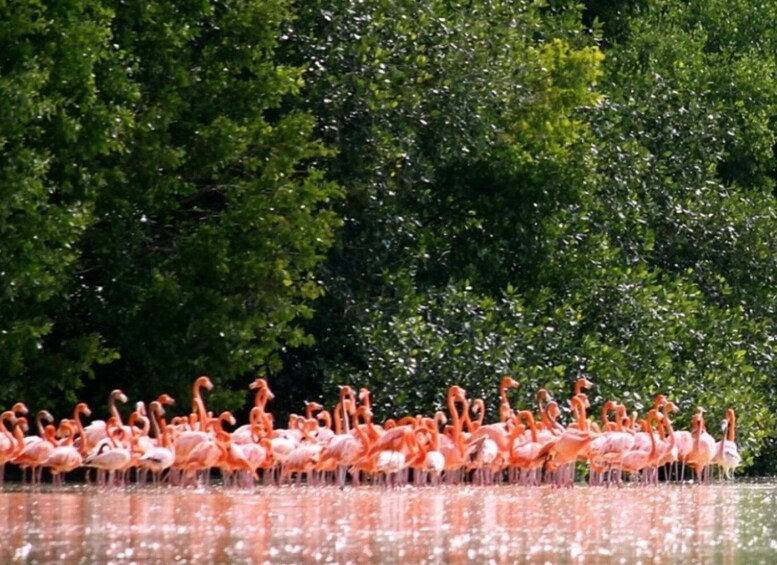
<point>722,444</point>
<point>39,422</point>
<point>455,419</point>
<point>113,410</point>
<point>605,415</point>
<point>732,427</point>
<point>3,427</point>
<point>528,417</point>
<point>80,430</point>
<point>338,418</point>
<point>346,408</point>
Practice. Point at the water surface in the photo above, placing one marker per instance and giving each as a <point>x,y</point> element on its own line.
<point>508,524</point>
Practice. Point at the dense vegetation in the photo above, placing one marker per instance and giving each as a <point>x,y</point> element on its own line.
<point>391,194</point>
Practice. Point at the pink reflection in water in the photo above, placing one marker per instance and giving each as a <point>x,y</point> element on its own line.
<point>373,525</point>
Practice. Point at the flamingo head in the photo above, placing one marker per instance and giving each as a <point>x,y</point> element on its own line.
<point>458,393</point>
<point>20,408</point>
<point>509,382</point>
<point>83,408</point>
<point>117,394</point>
<point>582,383</point>
<point>46,416</point>
<point>227,417</point>
<point>203,382</point>
<point>156,408</point>
<point>259,383</point>
<point>671,406</point>
<point>349,406</point>
<point>165,399</point>
<point>21,421</point>
<point>313,406</point>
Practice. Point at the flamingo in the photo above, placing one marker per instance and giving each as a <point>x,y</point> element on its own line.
<point>202,457</point>
<point>609,448</point>
<point>234,461</point>
<point>198,404</point>
<point>452,447</point>
<point>489,447</point>
<point>683,441</point>
<point>726,451</point>
<point>282,443</point>
<point>548,425</point>
<point>703,445</point>
<point>637,460</point>
<point>344,447</point>
<point>189,456</point>
<point>97,430</point>
<point>305,456</point>
<point>11,440</point>
<point>65,457</point>
<point>429,461</point>
<point>111,457</point>
<point>263,393</point>
<point>37,448</point>
<point>505,410</point>
<point>668,452</point>
<point>257,416</point>
<point>258,453</point>
<point>391,458</point>
<point>160,457</point>
<point>582,383</point>
<point>205,451</point>
<point>525,452</point>
<point>563,450</point>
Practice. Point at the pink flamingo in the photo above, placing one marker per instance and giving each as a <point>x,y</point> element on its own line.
<point>37,448</point>
<point>65,457</point>
<point>726,451</point>
<point>703,446</point>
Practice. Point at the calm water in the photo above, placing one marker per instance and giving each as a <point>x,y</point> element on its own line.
<point>668,524</point>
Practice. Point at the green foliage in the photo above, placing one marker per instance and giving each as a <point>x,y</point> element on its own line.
<point>628,213</point>
<point>445,337</point>
<point>455,131</point>
<point>56,127</point>
<point>169,209</point>
<point>685,167</point>
<point>201,260</point>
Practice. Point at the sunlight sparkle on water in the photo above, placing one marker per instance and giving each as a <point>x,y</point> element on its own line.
<point>675,524</point>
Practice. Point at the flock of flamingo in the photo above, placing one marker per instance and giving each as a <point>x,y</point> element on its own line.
<point>346,445</point>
